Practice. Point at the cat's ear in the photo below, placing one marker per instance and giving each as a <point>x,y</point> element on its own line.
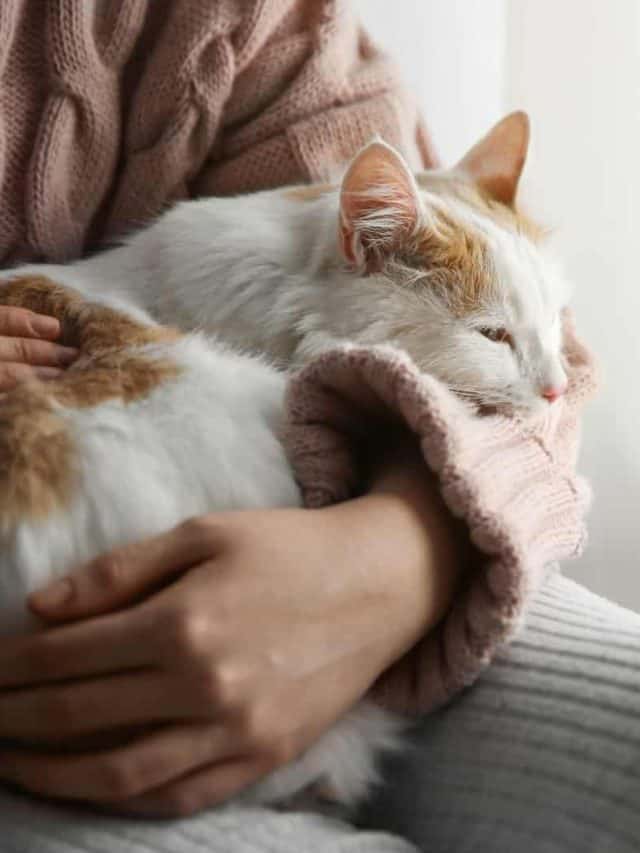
<point>495,163</point>
<point>379,206</point>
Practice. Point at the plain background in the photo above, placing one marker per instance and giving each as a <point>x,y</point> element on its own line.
<point>574,65</point>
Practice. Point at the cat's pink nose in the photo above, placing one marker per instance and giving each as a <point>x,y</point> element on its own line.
<point>553,392</point>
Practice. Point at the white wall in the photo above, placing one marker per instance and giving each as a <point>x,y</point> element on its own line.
<point>451,53</point>
<point>575,66</point>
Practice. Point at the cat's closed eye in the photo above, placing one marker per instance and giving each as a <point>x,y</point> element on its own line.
<point>498,336</point>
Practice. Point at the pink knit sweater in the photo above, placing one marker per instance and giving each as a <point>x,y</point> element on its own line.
<point>511,481</point>
<point>111,110</point>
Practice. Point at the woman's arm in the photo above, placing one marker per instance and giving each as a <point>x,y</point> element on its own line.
<point>511,483</point>
<point>266,627</point>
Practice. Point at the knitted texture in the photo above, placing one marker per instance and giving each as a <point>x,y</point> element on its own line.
<point>510,480</point>
<point>112,110</point>
<point>540,757</point>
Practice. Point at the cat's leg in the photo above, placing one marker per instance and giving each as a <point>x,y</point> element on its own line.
<point>340,769</point>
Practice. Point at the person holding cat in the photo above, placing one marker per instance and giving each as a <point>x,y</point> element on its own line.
<point>273,95</point>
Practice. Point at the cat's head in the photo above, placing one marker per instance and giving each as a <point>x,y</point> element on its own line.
<point>456,275</point>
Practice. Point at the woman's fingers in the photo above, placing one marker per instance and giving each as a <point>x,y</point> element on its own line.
<point>62,712</point>
<point>36,352</point>
<point>22,323</point>
<point>27,349</point>
<point>201,790</point>
<point>12,374</point>
<point>119,774</point>
<point>108,644</point>
<point>125,574</point>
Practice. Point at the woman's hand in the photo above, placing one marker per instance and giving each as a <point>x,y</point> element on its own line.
<point>273,623</point>
<point>27,347</point>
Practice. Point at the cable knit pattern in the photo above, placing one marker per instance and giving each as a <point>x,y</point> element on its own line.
<point>511,481</point>
<point>112,110</point>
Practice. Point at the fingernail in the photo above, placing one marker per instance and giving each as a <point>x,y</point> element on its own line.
<point>52,596</point>
<point>67,354</point>
<point>43,325</point>
<point>47,372</point>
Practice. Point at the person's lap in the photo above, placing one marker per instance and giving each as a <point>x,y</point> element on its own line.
<point>542,755</point>
<point>27,826</point>
<point>539,756</point>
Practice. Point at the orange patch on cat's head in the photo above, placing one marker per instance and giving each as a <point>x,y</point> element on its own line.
<point>458,188</point>
<point>454,251</point>
<point>457,259</point>
<point>36,448</point>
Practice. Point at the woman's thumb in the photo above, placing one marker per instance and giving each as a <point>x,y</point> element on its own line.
<point>125,575</point>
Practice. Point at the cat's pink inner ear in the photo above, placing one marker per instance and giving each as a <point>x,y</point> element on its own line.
<point>495,163</point>
<point>379,206</point>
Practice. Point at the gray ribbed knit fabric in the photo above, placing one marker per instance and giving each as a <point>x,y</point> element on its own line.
<point>542,755</point>
<point>27,827</point>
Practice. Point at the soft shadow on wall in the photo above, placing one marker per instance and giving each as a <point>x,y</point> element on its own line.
<point>575,67</point>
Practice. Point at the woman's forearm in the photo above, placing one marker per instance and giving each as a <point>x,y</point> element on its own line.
<point>402,538</point>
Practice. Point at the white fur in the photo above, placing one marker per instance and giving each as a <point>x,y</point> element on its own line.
<point>265,275</point>
<point>207,440</point>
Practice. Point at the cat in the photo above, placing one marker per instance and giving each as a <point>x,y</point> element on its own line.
<point>174,407</point>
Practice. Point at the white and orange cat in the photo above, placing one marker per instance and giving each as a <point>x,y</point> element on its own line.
<point>152,425</point>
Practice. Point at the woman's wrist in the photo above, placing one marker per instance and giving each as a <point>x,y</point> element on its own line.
<point>404,543</point>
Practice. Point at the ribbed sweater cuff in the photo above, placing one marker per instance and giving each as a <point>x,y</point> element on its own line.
<point>506,479</point>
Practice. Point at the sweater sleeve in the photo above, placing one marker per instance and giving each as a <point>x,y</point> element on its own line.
<point>310,89</point>
<point>511,481</point>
